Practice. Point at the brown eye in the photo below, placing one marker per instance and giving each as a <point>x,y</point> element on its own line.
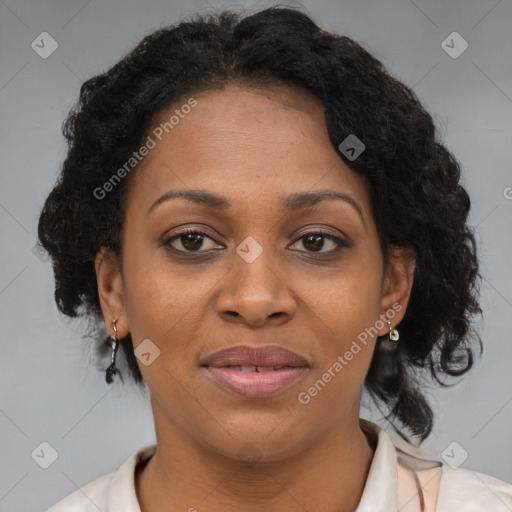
<point>191,240</point>
<point>315,242</point>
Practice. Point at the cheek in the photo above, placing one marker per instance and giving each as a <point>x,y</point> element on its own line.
<point>154,297</point>
<point>347,307</point>
<point>163,305</point>
<point>350,298</point>
<point>344,319</point>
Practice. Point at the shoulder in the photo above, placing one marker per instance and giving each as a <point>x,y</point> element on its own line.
<point>460,487</point>
<point>110,492</point>
<point>448,489</point>
<point>89,498</point>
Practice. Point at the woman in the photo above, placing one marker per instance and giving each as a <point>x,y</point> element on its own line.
<point>266,224</point>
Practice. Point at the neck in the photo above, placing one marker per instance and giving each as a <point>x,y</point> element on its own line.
<point>329,475</point>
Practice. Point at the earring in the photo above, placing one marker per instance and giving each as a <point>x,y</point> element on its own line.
<point>112,369</point>
<point>393,332</point>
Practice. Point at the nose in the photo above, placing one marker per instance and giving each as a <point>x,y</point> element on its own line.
<point>256,293</point>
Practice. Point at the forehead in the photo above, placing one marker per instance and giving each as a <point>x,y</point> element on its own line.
<point>242,142</point>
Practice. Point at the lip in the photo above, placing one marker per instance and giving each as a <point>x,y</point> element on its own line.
<point>257,384</point>
<point>244,355</point>
<point>224,367</point>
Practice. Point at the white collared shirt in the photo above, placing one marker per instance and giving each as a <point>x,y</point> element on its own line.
<point>397,481</point>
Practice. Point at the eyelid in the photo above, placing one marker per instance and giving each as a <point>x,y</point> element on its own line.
<point>341,242</point>
<point>199,229</point>
<point>308,230</point>
<point>311,229</point>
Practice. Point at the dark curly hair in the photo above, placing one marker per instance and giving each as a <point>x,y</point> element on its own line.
<point>417,198</point>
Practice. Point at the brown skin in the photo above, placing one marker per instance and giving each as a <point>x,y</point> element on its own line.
<point>255,148</point>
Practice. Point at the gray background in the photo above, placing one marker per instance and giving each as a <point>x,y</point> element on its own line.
<point>51,390</point>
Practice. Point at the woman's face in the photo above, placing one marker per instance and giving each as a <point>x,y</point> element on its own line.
<point>177,296</point>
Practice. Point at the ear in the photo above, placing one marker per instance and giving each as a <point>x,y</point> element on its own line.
<point>110,291</point>
<point>397,285</point>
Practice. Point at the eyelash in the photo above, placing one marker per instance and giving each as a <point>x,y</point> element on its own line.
<point>342,244</point>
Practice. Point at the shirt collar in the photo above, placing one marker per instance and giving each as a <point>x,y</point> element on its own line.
<point>381,487</point>
<point>121,492</point>
<point>379,493</point>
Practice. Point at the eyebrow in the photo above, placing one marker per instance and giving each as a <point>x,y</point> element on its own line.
<point>292,203</point>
